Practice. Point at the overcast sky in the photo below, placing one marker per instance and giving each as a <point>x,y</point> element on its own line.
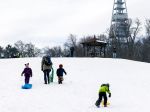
<point>49,22</point>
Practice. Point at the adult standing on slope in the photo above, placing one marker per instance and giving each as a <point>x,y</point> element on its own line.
<point>46,66</point>
<point>114,52</point>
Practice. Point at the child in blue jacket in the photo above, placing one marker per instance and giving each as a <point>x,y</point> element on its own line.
<point>59,73</point>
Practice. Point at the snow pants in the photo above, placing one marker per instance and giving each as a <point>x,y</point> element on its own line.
<point>27,78</point>
<point>101,96</point>
<point>60,79</point>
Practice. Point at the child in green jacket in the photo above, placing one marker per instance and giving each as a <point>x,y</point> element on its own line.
<point>102,94</point>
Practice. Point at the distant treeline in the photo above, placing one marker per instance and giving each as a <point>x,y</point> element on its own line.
<point>136,48</point>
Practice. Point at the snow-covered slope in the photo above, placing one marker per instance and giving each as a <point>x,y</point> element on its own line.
<point>129,85</point>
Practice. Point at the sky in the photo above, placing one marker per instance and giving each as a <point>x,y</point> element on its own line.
<point>50,22</point>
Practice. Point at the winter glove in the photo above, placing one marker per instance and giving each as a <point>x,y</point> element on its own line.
<point>109,95</point>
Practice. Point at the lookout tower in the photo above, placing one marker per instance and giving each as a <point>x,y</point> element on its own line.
<point>119,29</point>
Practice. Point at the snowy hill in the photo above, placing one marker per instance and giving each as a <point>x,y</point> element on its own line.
<point>129,85</point>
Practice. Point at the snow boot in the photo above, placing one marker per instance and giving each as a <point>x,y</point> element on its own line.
<point>96,104</point>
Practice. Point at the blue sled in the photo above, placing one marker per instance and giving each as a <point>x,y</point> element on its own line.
<point>27,86</point>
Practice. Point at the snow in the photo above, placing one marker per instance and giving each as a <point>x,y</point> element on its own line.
<point>129,85</point>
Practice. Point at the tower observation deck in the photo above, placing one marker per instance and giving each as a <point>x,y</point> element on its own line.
<point>119,23</point>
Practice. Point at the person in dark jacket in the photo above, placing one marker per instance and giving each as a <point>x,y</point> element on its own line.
<point>114,52</point>
<point>46,70</point>
<point>27,73</point>
<point>60,72</point>
<point>102,94</point>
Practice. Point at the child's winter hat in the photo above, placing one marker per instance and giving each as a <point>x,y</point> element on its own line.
<point>26,64</point>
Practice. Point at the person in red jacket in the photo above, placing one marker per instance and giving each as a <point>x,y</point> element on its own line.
<point>59,73</point>
<point>27,73</point>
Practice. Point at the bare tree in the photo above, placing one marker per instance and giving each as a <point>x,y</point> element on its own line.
<point>54,51</point>
<point>21,48</point>
<point>47,51</point>
<point>147,27</point>
<point>146,43</point>
<point>71,44</point>
<point>146,49</point>
<point>1,52</point>
<point>135,28</point>
<point>37,52</point>
<point>10,52</point>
